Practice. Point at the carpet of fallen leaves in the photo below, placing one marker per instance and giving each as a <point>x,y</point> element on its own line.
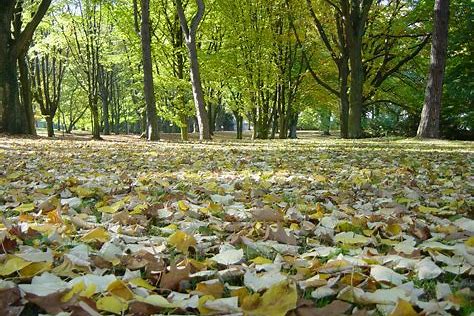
<point>303,227</point>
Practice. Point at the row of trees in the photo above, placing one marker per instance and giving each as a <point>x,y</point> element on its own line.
<point>138,66</point>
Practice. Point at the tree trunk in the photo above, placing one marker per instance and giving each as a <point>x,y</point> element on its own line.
<point>13,116</point>
<point>292,126</point>
<point>152,119</point>
<point>356,92</point>
<point>184,128</point>
<point>210,117</point>
<point>105,98</point>
<point>326,121</point>
<point>355,14</point>
<point>203,122</point>
<point>95,121</point>
<point>190,40</point>
<point>429,122</point>
<point>344,99</point>
<point>26,101</point>
<point>50,126</point>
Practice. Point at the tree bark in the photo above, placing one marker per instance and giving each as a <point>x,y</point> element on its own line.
<point>355,14</point>
<point>189,33</point>
<point>50,126</point>
<point>152,119</point>
<point>14,116</point>
<point>429,122</point>
<point>343,94</point>
<point>184,128</point>
<point>26,102</point>
<point>293,125</point>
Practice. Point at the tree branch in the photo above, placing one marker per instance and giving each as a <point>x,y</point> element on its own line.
<point>321,31</point>
<point>21,44</point>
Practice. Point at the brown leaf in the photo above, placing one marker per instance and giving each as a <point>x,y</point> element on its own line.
<point>143,309</point>
<point>173,278</point>
<point>280,235</point>
<point>267,214</point>
<point>420,231</point>
<point>9,299</point>
<point>8,245</point>
<point>143,259</point>
<point>336,308</point>
<point>50,303</point>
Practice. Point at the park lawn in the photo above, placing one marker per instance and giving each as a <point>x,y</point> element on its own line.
<point>307,226</point>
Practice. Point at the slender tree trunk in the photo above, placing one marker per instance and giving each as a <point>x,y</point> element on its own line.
<point>429,122</point>
<point>152,119</point>
<point>50,126</point>
<point>95,120</point>
<point>292,125</point>
<point>344,98</point>
<point>190,40</point>
<point>356,92</point>
<point>203,122</point>
<point>105,79</point>
<point>254,122</point>
<point>326,121</point>
<point>184,128</point>
<point>26,101</point>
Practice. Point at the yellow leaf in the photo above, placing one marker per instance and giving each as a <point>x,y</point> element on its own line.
<point>65,269</point>
<point>35,268</point>
<point>426,209</point>
<point>114,208</point>
<point>202,309</point>
<point>469,242</point>
<point>14,175</point>
<point>120,289</point>
<point>198,265</point>
<point>294,226</point>
<point>25,208</point>
<point>112,304</point>
<point>241,293</point>
<point>261,260</point>
<point>213,208</point>
<point>97,234</point>
<point>403,308</point>
<point>182,241</point>
<point>13,264</point>
<point>216,289</point>
<point>89,291</point>
<point>171,227</point>
<point>394,229</point>
<point>276,301</point>
<point>107,209</point>
<point>142,283</point>
<point>138,209</point>
<point>83,192</point>
<point>350,238</point>
<point>182,206</point>
<point>156,300</point>
<point>320,178</point>
<point>76,289</point>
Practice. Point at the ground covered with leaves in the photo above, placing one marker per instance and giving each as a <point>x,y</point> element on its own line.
<point>305,227</point>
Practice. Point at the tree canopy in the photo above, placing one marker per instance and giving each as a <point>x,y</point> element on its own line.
<point>357,66</point>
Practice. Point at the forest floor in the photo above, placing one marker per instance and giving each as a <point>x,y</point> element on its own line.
<point>314,226</point>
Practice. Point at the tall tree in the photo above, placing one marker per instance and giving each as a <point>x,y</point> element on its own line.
<point>47,72</point>
<point>85,46</point>
<point>15,117</point>
<point>338,50</point>
<point>190,40</point>
<point>151,118</point>
<point>429,123</point>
